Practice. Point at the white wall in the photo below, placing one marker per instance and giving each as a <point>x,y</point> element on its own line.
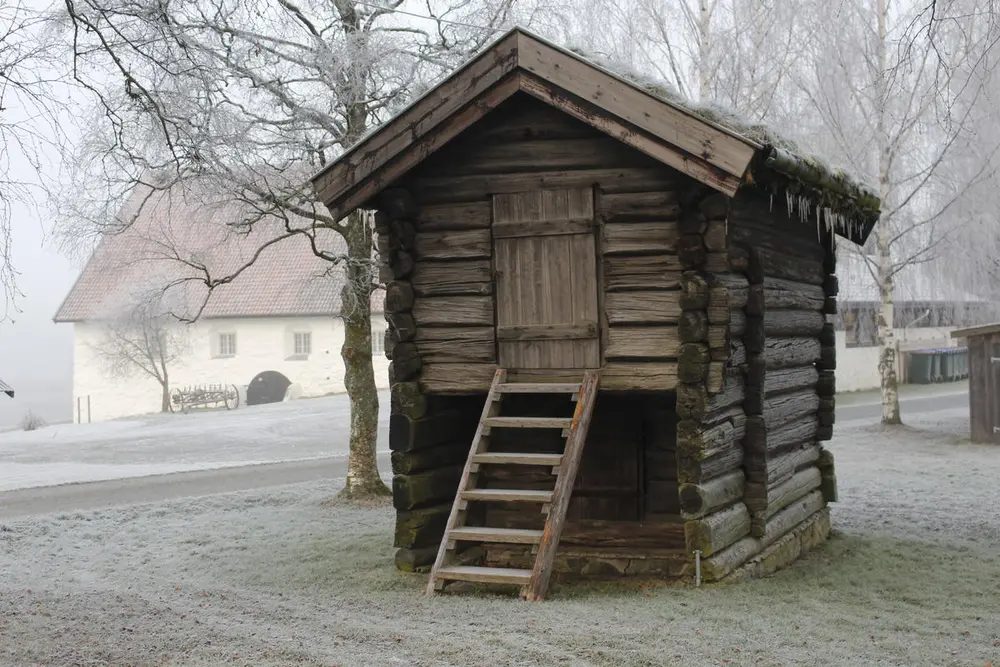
<point>857,367</point>
<point>262,344</point>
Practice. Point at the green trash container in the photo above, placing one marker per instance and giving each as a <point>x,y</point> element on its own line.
<point>963,363</point>
<point>921,365</point>
<point>947,364</point>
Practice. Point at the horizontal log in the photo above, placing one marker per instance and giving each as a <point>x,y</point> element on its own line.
<point>398,296</point>
<point>642,343</point>
<point>716,376</point>
<point>694,402</point>
<point>697,500</point>
<point>767,501</point>
<point>457,344</point>
<point>639,237</point>
<point>787,266</point>
<point>472,277</point>
<point>406,399</point>
<point>807,323</point>
<point>442,456</point>
<point>468,244</point>
<point>415,560</point>
<point>404,369</point>
<point>691,470</point>
<point>779,409</point>
<point>647,306</point>
<point>453,311</point>
<point>782,465</point>
<point>761,443</point>
<point>717,531</point>
<point>439,428</point>
<point>694,440</point>
<point>737,354</point>
<point>425,488</point>
<point>444,378</point>
<point>788,294</point>
<point>789,352</point>
<point>421,527</point>
<point>440,189</point>
<point>736,286</point>
<point>639,206</point>
<point>625,272</point>
<point>826,386</point>
<point>788,379</point>
<point>737,323</point>
<point>716,262</point>
<point>402,324</point>
<point>456,216</point>
<point>726,561</point>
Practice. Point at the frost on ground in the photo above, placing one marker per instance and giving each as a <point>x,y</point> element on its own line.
<point>283,577</point>
<point>165,443</point>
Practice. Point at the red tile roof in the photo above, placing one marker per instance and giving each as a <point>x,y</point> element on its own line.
<point>171,239</point>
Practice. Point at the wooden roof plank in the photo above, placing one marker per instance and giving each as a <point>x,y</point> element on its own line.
<point>689,133</point>
<point>593,116</point>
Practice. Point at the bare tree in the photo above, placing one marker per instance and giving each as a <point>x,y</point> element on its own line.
<point>253,98</point>
<point>29,110</point>
<point>143,340</point>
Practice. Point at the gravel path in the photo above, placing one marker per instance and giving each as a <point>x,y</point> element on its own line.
<point>281,576</point>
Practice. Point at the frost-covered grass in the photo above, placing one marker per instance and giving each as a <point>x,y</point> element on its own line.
<point>284,577</point>
<point>165,443</point>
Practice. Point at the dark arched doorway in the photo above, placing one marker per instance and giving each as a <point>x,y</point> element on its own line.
<point>267,387</point>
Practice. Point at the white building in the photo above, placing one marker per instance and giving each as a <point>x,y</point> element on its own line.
<point>280,313</point>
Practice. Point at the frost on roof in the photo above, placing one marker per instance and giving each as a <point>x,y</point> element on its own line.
<point>829,195</point>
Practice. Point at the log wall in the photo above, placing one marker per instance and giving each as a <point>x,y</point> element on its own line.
<point>526,145</point>
<point>790,363</point>
<point>712,387</point>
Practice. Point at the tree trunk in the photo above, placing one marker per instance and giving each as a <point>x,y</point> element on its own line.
<point>363,479</point>
<point>165,398</point>
<point>883,236</point>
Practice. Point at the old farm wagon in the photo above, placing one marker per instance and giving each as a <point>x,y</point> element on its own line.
<point>638,296</point>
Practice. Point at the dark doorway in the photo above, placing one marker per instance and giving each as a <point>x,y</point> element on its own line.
<point>267,387</point>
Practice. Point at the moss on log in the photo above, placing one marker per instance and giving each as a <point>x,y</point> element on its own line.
<point>693,326</point>
<point>694,402</point>
<point>415,560</point>
<point>407,399</point>
<point>692,363</point>
<point>692,470</point>
<point>694,291</point>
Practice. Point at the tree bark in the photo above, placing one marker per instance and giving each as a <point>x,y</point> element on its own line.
<point>165,397</point>
<point>883,237</point>
<point>363,479</point>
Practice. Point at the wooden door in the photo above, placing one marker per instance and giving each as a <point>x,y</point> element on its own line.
<point>546,279</point>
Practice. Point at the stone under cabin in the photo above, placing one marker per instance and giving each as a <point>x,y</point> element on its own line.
<point>609,324</point>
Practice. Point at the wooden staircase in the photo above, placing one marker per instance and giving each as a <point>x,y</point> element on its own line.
<point>534,582</point>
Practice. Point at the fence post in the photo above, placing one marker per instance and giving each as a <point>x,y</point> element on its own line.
<point>78,417</point>
<point>88,408</point>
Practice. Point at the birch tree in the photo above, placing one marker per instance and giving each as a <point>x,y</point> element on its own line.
<point>882,81</point>
<point>254,97</point>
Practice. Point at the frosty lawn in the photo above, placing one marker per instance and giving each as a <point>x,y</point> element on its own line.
<point>910,578</point>
<point>159,444</point>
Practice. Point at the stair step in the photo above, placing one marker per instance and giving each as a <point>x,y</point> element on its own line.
<point>512,458</point>
<point>539,388</point>
<point>502,535</point>
<point>486,575</point>
<point>508,495</point>
<point>529,422</point>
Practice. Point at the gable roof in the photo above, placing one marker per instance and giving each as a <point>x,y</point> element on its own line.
<point>712,148</point>
<point>170,230</point>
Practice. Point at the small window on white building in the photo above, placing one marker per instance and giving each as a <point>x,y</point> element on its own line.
<point>227,345</point>
<point>378,341</point>
<point>302,346</point>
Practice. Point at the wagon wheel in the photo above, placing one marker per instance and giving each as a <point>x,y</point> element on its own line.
<point>232,398</point>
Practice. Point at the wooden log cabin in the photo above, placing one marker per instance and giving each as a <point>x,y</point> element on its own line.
<point>545,225</point>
